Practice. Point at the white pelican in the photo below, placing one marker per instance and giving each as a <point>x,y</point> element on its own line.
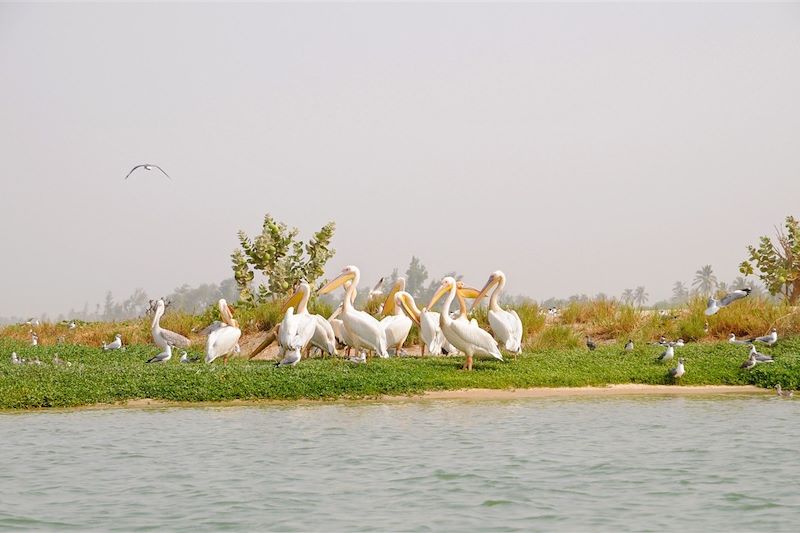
<point>323,337</point>
<point>506,325</point>
<point>389,308</point>
<point>223,337</point>
<point>116,344</point>
<point>147,166</point>
<point>163,357</point>
<point>465,336</point>
<point>294,334</point>
<point>429,331</point>
<point>164,337</point>
<point>397,325</point>
<point>365,330</point>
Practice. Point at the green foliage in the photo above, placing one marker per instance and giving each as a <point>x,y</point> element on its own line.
<point>777,263</point>
<point>415,278</point>
<point>281,258</point>
<point>95,376</point>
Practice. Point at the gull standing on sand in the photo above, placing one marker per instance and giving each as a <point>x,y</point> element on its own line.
<point>678,371</point>
<point>163,357</point>
<point>147,166</point>
<point>668,354</point>
<point>164,337</point>
<point>769,340</point>
<point>116,344</point>
<point>715,305</point>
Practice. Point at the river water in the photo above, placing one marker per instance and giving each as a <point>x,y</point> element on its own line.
<point>599,464</point>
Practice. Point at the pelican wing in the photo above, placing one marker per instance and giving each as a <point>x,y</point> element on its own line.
<point>430,332</point>
<point>175,339</point>
<point>324,337</point>
<point>222,341</point>
<point>365,331</point>
<point>465,334</point>
<point>396,328</point>
<point>507,329</point>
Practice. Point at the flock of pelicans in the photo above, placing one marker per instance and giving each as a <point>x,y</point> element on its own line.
<point>441,332</point>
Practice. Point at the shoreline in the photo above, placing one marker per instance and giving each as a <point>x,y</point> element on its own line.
<point>477,394</point>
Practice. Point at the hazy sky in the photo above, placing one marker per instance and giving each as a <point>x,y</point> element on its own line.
<point>577,147</point>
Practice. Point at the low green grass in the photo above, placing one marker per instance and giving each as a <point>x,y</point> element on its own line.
<point>109,377</point>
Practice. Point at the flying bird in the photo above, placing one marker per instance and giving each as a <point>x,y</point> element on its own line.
<point>715,305</point>
<point>147,166</point>
<point>678,371</point>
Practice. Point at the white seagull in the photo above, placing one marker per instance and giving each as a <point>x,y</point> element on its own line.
<point>147,166</point>
<point>732,339</point>
<point>34,339</point>
<point>678,371</point>
<point>715,305</point>
<point>629,345</point>
<point>164,337</point>
<point>163,357</point>
<point>668,354</point>
<point>769,340</point>
<point>14,359</point>
<point>760,357</point>
<point>116,344</point>
<point>750,363</point>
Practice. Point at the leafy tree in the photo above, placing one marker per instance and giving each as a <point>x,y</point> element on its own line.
<point>777,262</point>
<point>705,281</point>
<point>640,297</point>
<point>680,293</point>
<point>415,278</point>
<point>282,259</point>
<point>627,296</point>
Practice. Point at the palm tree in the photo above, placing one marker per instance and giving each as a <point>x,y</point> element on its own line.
<point>627,296</point>
<point>640,296</point>
<point>679,292</point>
<point>705,281</point>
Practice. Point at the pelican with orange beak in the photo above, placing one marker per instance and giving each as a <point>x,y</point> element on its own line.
<point>506,325</point>
<point>389,307</point>
<point>223,337</point>
<point>323,337</point>
<point>364,329</point>
<point>397,325</point>
<point>465,335</point>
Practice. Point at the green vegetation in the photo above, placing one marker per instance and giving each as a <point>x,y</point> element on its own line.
<point>778,263</point>
<point>95,376</point>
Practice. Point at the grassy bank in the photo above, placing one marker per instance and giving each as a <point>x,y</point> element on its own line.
<point>95,376</point>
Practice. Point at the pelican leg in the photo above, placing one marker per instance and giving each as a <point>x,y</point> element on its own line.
<point>467,363</point>
<point>422,349</point>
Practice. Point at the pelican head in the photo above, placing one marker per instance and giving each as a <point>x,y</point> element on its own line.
<point>447,285</point>
<point>302,289</point>
<point>349,273</point>
<point>406,301</point>
<point>495,278</point>
<point>389,304</point>
<point>226,313</point>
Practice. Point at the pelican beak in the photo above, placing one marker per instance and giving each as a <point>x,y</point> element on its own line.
<point>407,303</point>
<point>292,301</point>
<point>469,292</point>
<point>489,284</point>
<point>389,304</point>
<point>271,337</point>
<point>438,294</point>
<point>337,282</point>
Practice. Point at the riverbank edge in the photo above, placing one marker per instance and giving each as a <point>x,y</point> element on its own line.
<point>477,395</point>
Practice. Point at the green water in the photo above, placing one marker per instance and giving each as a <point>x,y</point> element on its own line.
<point>589,464</point>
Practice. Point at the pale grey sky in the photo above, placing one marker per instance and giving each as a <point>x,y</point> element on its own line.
<point>589,147</point>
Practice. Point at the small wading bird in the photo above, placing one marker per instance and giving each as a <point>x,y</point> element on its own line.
<point>163,357</point>
<point>116,344</point>
<point>750,363</point>
<point>223,337</point>
<point>667,354</point>
<point>715,305</point>
<point>629,345</point>
<point>590,344</point>
<point>147,166</point>
<point>465,336</point>
<point>760,357</point>
<point>769,339</point>
<point>164,337</point>
<point>506,325</point>
<point>783,393</point>
<point>732,340</point>
<point>678,371</point>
